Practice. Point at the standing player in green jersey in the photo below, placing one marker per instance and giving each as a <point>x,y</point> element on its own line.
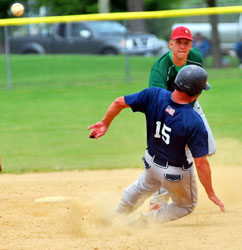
<point>163,74</point>
<point>165,69</point>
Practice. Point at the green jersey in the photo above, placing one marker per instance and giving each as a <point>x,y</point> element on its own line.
<point>163,72</point>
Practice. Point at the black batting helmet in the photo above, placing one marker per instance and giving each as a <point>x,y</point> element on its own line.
<point>192,79</point>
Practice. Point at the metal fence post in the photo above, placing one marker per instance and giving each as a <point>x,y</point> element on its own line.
<point>7,57</point>
<point>127,66</point>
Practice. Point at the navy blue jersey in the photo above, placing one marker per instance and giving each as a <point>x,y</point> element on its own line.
<point>170,126</point>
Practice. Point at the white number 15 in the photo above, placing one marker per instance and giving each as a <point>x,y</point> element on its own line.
<point>165,137</point>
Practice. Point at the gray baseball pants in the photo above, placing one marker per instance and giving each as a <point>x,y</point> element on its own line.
<point>179,182</point>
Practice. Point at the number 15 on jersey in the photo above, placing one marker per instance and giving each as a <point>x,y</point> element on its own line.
<point>164,132</point>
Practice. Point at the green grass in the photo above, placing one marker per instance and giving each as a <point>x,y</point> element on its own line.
<point>44,117</point>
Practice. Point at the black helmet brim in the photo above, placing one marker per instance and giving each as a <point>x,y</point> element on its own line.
<point>207,86</point>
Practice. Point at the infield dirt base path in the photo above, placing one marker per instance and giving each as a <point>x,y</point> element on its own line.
<point>80,223</point>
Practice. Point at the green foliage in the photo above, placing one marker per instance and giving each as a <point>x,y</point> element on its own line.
<point>66,7</point>
<point>5,8</point>
<point>118,6</point>
<point>151,5</point>
<point>45,116</point>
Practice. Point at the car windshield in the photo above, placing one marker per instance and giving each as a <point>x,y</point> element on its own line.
<point>107,27</point>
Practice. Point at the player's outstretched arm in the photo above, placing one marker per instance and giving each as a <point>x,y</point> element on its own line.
<point>204,175</point>
<point>100,128</point>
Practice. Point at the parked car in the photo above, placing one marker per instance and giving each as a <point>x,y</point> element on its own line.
<point>91,37</point>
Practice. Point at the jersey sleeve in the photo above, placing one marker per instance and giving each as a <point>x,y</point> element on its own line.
<point>195,57</point>
<point>158,75</point>
<point>198,140</point>
<point>139,101</point>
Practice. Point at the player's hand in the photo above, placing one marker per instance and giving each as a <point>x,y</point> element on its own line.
<point>216,200</point>
<point>98,129</point>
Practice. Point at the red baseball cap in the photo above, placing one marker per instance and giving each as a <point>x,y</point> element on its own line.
<point>181,32</point>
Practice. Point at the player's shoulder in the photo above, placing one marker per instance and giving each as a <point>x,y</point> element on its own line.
<point>195,52</point>
<point>193,118</point>
<point>195,57</point>
<point>158,91</point>
<point>163,60</point>
<point>155,93</point>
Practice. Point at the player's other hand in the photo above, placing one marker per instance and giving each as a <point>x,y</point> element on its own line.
<point>216,200</point>
<point>98,129</point>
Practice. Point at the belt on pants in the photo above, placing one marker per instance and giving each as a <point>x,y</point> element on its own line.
<point>162,162</point>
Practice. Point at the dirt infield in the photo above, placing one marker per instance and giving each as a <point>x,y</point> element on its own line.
<point>79,224</point>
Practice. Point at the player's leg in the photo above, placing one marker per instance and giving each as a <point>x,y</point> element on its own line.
<point>211,140</point>
<point>162,196</point>
<point>183,195</point>
<point>135,195</point>
<point>159,198</point>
